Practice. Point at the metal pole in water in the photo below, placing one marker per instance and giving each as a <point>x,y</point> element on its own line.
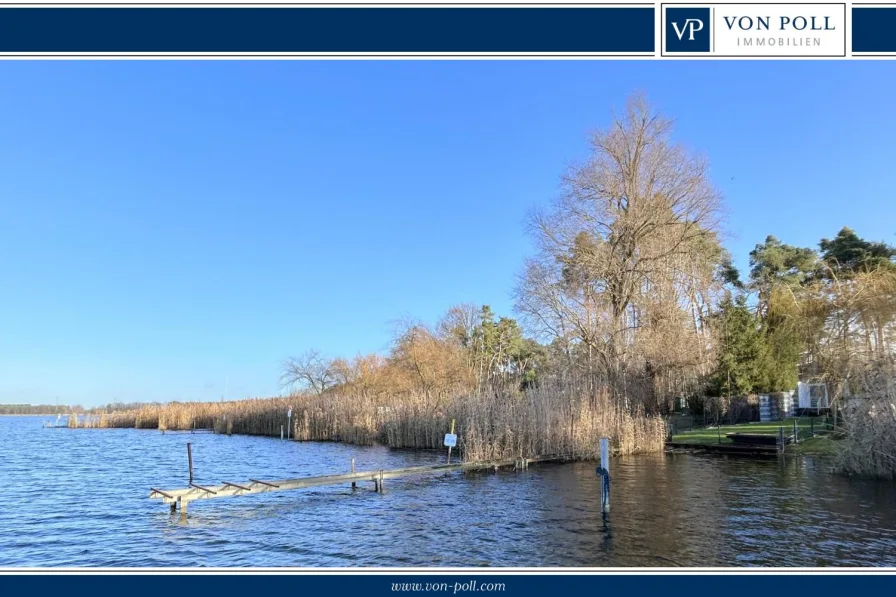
<point>605,465</point>
<point>190,460</point>
<point>281,431</point>
<point>354,485</point>
<point>780,440</point>
<point>796,433</point>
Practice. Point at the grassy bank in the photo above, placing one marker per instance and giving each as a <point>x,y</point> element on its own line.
<point>820,444</point>
<point>538,421</point>
<point>711,435</point>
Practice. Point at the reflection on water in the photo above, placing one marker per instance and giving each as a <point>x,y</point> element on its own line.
<point>79,498</point>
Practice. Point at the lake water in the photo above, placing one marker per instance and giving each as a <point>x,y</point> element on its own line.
<point>80,498</point>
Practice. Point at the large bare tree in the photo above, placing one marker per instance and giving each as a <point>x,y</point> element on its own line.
<point>630,245</point>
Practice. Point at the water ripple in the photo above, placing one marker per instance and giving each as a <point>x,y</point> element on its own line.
<point>79,498</point>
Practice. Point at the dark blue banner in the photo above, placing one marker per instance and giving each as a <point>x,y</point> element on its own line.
<point>460,584</point>
<point>413,30</point>
<point>874,29</point>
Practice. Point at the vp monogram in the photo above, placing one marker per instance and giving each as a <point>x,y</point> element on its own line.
<point>691,26</point>
<point>688,29</point>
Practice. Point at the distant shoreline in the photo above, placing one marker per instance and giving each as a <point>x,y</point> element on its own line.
<point>36,414</point>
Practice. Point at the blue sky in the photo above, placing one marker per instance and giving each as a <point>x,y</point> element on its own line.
<point>169,227</point>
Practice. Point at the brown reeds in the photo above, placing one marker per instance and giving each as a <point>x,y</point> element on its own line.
<point>868,447</point>
<point>537,422</point>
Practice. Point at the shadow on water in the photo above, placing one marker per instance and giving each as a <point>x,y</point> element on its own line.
<point>81,499</point>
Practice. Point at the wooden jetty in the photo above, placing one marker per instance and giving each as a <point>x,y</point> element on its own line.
<point>183,497</point>
<point>749,449</point>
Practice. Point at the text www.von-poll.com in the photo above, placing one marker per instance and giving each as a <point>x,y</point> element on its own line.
<point>471,586</point>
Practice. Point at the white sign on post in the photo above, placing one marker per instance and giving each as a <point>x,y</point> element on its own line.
<point>450,440</point>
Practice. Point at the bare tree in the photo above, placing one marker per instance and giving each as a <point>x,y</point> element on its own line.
<point>308,371</point>
<point>631,244</point>
<point>459,323</point>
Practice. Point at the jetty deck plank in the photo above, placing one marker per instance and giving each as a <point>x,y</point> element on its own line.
<point>254,486</point>
<point>724,448</point>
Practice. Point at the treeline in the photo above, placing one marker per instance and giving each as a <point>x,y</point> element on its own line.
<point>39,409</point>
<point>117,407</point>
<point>469,350</point>
<point>825,315</point>
<point>632,295</point>
<point>618,301</point>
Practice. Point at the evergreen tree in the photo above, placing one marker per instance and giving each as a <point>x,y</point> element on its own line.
<point>776,268</point>
<point>773,263</point>
<point>848,254</point>
<point>741,354</point>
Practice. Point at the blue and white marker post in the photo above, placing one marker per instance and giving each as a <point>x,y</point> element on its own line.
<point>604,472</point>
<point>450,440</point>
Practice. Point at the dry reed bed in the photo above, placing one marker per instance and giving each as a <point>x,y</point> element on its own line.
<point>868,447</point>
<point>541,421</point>
<point>552,422</point>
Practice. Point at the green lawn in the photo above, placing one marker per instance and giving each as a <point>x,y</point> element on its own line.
<point>711,435</point>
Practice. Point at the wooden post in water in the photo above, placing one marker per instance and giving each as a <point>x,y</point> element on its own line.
<point>780,440</point>
<point>354,485</point>
<point>796,433</point>
<point>281,431</point>
<point>190,460</point>
<point>811,427</point>
<point>605,464</point>
<point>378,482</point>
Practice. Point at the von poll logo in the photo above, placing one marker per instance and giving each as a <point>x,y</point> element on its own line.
<point>688,29</point>
<point>758,29</point>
